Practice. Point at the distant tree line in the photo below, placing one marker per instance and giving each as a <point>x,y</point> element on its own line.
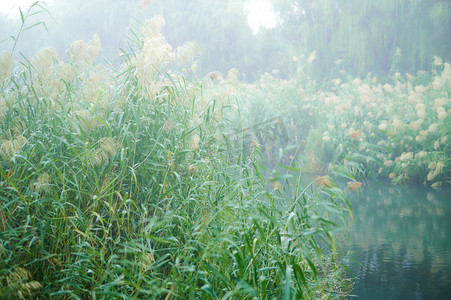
<point>378,36</point>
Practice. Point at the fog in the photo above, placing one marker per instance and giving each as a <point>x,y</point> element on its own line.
<point>380,37</point>
<point>208,149</point>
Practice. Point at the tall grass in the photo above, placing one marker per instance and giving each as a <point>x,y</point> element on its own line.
<point>120,183</point>
<point>396,128</point>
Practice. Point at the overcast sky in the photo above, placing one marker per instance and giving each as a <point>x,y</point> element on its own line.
<point>259,12</point>
<point>10,8</point>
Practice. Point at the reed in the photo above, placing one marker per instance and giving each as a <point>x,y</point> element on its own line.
<point>118,183</point>
<point>395,128</point>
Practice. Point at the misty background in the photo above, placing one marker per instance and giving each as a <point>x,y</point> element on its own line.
<point>377,36</point>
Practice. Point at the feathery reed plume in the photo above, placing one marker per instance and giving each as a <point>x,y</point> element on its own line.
<point>12,146</point>
<point>438,61</point>
<point>232,76</point>
<point>84,53</point>
<point>254,143</point>
<point>194,142</point>
<point>19,282</point>
<point>44,60</point>
<point>97,88</point>
<point>416,124</point>
<point>354,185</point>
<point>67,72</point>
<point>311,57</point>
<point>440,102</point>
<point>42,183</point>
<point>355,133</point>
<point>441,113</point>
<point>106,148</point>
<point>76,50</point>
<point>276,185</point>
<point>323,181</point>
<point>154,54</point>
<point>433,128</point>
<point>3,108</point>
<point>169,125</point>
<point>6,63</point>
<point>155,51</point>
<point>187,52</point>
<point>326,138</point>
<point>144,4</point>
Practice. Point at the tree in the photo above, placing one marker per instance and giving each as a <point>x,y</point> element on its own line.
<point>378,36</point>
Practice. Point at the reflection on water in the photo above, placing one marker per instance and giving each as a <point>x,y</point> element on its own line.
<point>401,239</point>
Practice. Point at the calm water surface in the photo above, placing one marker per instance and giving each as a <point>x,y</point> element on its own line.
<point>401,240</point>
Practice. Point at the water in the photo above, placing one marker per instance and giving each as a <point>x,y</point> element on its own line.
<point>401,240</point>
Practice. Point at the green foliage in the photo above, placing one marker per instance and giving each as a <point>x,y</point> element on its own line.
<point>381,37</point>
<point>373,36</point>
<point>119,183</point>
<point>398,129</point>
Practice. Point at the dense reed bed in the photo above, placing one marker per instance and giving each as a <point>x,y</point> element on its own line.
<point>135,182</point>
<point>396,128</point>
